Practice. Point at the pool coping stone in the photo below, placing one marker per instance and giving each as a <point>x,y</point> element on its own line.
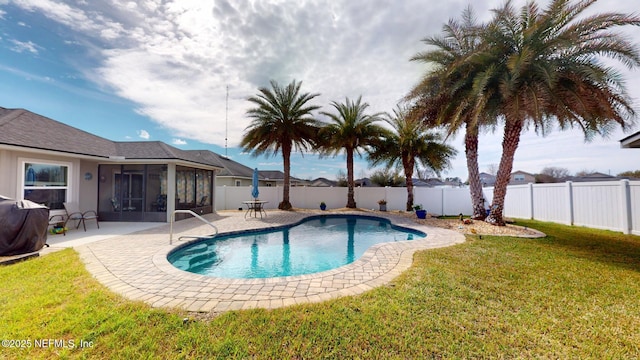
<point>143,272</point>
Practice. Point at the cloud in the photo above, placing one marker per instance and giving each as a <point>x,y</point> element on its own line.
<point>143,134</point>
<point>272,164</point>
<point>178,142</point>
<point>21,46</point>
<point>174,59</point>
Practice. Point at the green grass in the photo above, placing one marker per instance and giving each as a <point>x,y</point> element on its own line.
<point>574,294</point>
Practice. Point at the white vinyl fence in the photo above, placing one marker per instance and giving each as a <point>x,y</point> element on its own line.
<point>613,205</point>
<point>436,201</point>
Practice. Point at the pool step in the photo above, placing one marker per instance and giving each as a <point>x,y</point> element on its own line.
<point>203,261</point>
<point>196,249</point>
<point>197,237</point>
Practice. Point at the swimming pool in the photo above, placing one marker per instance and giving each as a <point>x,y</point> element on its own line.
<point>315,244</point>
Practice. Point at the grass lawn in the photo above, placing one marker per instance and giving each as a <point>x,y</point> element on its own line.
<point>574,294</point>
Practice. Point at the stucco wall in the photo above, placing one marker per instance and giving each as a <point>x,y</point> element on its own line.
<point>7,174</point>
<point>231,181</point>
<point>11,176</point>
<point>88,188</point>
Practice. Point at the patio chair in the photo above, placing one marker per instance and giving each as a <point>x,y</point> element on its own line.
<point>203,201</point>
<point>115,203</point>
<point>73,213</point>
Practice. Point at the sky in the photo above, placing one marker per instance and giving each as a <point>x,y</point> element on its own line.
<point>180,71</point>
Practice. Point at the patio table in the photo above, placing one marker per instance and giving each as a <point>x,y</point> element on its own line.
<point>256,207</point>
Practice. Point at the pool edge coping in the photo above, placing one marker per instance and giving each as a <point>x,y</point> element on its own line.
<point>379,265</point>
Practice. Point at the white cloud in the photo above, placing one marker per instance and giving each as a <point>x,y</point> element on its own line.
<point>178,142</point>
<point>174,59</point>
<point>20,46</point>
<point>271,164</point>
<point>143,134</point>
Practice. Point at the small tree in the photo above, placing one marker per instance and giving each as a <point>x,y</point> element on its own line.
<point>387,177</point>
<point>341,179</point>
<point>551,174</point>
<point>631,174</point>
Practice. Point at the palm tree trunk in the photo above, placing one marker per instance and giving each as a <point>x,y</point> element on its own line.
<point>475,186</point>
<point>286,155</point>
<point>408,173</point>
<point>509,145</point>
<point>351,202</point>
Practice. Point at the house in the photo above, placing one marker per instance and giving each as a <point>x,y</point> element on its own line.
<point>232,173</point>
<point>276,178</point>
<point>364,182</point>
<point>51,163</point>
<point>323,182</point>
<point>596,176</point>
<point>632,141</point>
<point>521,177</point>
<point>487,179</point>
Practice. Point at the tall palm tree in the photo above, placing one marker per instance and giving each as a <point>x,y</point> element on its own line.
<point>445,96</point>
<point>410,145</point>
<point>543,68</point>
<point>281,122</point>
<point>350,130</point>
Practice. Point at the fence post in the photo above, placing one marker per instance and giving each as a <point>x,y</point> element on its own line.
<point>531,201</point>
<point>625,193</point>
<point>569,202</point>
<point>442,201</point>
<point>224,197</point>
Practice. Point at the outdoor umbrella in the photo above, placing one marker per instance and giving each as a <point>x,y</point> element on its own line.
<point>254,191</point>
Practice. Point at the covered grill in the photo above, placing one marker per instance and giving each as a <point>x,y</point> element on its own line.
<point>23,226</point>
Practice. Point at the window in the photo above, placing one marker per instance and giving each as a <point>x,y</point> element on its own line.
<point>238,183</point>
<point>45,183</point>
<point>193,187</point>
<point>518,177</point>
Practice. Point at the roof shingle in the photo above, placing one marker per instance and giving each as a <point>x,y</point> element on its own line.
<point>22,128</point>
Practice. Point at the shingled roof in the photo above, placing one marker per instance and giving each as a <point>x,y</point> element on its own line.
<point>229,167</point>
<point>22,128</point>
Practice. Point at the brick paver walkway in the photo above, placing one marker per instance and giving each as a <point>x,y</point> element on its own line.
<point>136,266</point>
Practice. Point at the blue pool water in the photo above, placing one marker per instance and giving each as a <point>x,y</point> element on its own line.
<point>316,244</point>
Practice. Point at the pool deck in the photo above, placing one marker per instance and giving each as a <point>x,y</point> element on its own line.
<point>135,265</point>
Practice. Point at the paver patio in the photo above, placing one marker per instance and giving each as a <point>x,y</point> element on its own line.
<point>136,266</point>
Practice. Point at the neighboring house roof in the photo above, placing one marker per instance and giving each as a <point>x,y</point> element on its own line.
<point>487,179</point>
<point>22,128</point>
<point>596,176</point>
<point>323,182</point>
<point>365,182</point>
<point>419,182</point>
<point>631,141</point>
<point>277,176</point>
<point>271,175</point>
<point>520,172</point>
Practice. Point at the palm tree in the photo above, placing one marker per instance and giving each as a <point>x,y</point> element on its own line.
<point>410,145</point>
<point>543,68</point>
<point>282,122</point>
<point>445,96</point>
<point>351,130</point>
